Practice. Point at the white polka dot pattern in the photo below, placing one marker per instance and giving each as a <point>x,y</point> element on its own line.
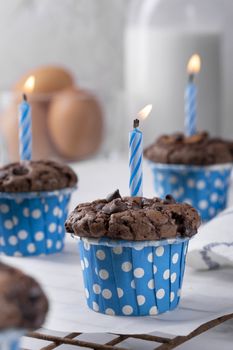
<point>117,250</point>
<point>160,293</point>
<point>127,310</point>
<point>201,184</point>
<point>103,274</point>
<point>31,248</point>
<point>126,266</point>
<point>141,299</point>
<point>13,240</point>
<point>33,226</point>
<point>8,224</point>
<point>153,311</point>
<point>138,272</point>
<point>133,282</point>
<point>110,311</point>
<point>96,288</point>
<point>159,251</point>
<point>150,257</point>
<point>166,274</point>
<point>100,254</point>
<point>120,292</point>
<point>173,277</point>
<point>4,208</point>
<point>175,258</point>
<point>52,227</point>
<point>205,188</point>
<point>36,213</point>
<point>26,212</point>
<point>151,284</point>
<point>107,294</point>
<point>87,293</point>
<point>95,306</point>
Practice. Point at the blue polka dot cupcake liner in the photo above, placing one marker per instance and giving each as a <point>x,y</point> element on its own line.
<point>128,278</point>
<point>204,187</point>
<point>10,339</point>
<point>33,223</point>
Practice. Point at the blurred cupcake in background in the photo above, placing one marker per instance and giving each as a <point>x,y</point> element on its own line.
<point>34,198</point>
<point>23,306</point>
<point>194,169</point>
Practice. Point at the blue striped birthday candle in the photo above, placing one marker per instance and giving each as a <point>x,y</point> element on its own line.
<point>135,160</point>
<point>25,130</point>
<point>190,108</point>
<point>193,68</point>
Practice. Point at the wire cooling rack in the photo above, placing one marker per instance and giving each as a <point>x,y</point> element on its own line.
<point>78,341</point>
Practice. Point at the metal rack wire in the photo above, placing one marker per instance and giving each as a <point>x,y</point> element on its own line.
<point>160,343</point>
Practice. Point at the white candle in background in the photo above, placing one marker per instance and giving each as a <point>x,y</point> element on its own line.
<point>155,70</point>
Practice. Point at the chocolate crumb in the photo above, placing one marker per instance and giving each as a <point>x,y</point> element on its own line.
<point>114,195</point>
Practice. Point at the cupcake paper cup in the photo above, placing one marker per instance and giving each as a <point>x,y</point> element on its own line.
<point>10,339</point>
<point>33,223</point>
<point>204,187</point>
<point>129,278</point>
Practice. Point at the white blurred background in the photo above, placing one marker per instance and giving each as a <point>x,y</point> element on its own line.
<point>91,39</point>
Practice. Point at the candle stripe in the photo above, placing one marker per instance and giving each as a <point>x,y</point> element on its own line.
<point>135,162</point>
<point>135,171</point>
<point>190,109</point>
<point>132,137</point>
<point>25,138</point>
<point>137,188</point>
<point>135,151</point>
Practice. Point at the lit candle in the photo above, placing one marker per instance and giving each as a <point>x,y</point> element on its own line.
<point>193,67</point>
<point>136,154</point>
<point>25,122</point>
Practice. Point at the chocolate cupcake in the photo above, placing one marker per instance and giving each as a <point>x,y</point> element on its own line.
<point>23,306</point>
<point>199,149</point>
<point>194,169</point>
<point>34,197</point>
<point>133,252</point>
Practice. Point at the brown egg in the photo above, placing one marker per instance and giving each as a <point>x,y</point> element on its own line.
<point>41,147</point>
<point>75,124</point>
<point>48,79</point>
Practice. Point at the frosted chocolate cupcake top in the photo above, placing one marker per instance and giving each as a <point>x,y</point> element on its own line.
<point>199,149</point>
<point>23,304</point>
<point>30,176</point>
<point>133,218</point>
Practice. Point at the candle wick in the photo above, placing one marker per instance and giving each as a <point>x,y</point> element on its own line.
<point>25,97</point>
<point>136,123</point>
<point>191,77</point>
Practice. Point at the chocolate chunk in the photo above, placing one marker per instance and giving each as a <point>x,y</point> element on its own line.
<point>134,218</point>
<point>114,195</point>
<point>20,170</point>
<point>115,206</point>
<point>29,176</point>
<point>198,149</point>
<point>169,199</point>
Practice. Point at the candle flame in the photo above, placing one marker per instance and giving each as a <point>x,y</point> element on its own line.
<point>29,84</point>
<point>143,113</point>
<point>194,64</point>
